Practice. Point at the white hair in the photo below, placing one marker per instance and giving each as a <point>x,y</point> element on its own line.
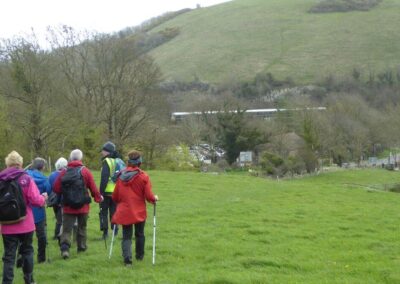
<point>61,163</point>
<point>76,155</point>
<point>14,159</point>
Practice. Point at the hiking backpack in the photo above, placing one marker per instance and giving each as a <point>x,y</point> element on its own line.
<point>119,166</point>
<point>74,192</point>
<point>12,203</point>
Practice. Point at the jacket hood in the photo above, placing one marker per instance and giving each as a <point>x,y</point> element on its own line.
<point>129,174</point>
<point>10,173</point>
<point>113,155</point>
<point>39,178</point>
<point>75,163</point>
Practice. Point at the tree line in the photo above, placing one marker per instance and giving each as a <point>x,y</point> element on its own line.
<point>84,88</point>
<point>359,121</point>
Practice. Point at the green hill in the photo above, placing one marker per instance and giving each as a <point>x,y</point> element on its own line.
<point>238,39</point>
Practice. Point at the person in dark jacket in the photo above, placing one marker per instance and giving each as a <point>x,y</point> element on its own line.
<point>132,190</point>
<point>60,165</point>
<point>107,207</point>
<point>21,233</point>
<point>39,213</point>
<point>70,215</point>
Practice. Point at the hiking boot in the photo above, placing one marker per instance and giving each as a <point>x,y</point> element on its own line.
<point>65,254</point>
<point>81,250</point>
<point>28,279</point>
<point>127,261</point>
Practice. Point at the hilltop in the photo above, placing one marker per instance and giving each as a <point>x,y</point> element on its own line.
<point>236,40</point>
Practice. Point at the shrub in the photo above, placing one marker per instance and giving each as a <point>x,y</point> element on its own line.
<point>394,188</point>
<point>331,6</point>
<point>272,164</point>
<point>178,158</point>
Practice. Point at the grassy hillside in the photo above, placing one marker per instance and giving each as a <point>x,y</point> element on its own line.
<point>235,40</point>
<point>241,229</point>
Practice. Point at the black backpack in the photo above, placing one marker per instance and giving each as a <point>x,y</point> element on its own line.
<point>12,203</point>
<point>74,192</point>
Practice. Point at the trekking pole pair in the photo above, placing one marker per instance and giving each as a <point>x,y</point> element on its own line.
<point>154,237</point>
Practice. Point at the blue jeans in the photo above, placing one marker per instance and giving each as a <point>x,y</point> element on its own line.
<point>11,243</point>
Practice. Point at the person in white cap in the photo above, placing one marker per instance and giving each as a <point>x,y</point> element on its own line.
<point>60,165</point>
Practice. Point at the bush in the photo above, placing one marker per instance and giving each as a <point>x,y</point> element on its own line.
<point>331,6</point>
<point>178,158</point>
<point>272,164</point>
<point>309,160</point>
<point>219,167</point>
<point>394,188</point>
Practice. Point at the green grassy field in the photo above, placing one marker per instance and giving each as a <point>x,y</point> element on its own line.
<point>234,228</point>
<point>237,39</point>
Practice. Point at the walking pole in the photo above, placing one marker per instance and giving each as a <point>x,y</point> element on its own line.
<point>112,241</point>
<point>101,226</point>
<point>154,234</point>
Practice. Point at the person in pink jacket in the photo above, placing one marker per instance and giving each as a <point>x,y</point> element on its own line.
<point>21,233</point>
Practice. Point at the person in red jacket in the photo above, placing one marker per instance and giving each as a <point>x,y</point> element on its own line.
<point>70,215</point>
<point>131,191</point>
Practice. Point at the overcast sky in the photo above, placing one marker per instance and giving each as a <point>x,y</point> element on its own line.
<point>19,16</point>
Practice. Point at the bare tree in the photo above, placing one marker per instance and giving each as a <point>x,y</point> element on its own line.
<point>26,81</point>
<point>117,84</point>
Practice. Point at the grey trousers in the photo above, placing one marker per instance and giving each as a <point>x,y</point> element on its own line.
<point>68,224</point>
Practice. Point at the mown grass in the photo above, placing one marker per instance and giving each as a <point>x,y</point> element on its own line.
<point>237,39</point>
<point>239,229</point>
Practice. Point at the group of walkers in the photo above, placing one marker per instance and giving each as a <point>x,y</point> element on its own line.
<point>123,193</point>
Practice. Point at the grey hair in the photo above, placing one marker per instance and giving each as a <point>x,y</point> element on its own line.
<point>76,155</point>
<point>61,164</point>
<point>38,164</point>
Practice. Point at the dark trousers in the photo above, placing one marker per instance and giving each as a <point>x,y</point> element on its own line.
<point>40,230</point>
<point>81,235</point>
<point>58,214</point>
<point>11,244</point>
<point>127,232</point>
<point>107,210</point>
<point>42,240</point>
